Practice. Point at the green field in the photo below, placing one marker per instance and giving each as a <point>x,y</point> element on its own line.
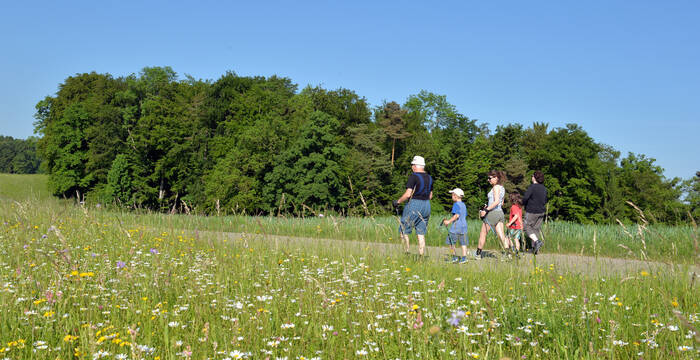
<point>24,187</point>
<point>83,282</point>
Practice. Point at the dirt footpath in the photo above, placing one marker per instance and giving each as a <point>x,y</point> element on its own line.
<point>586,265</point>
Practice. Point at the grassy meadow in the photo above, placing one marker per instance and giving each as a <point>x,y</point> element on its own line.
<point>81,282</point>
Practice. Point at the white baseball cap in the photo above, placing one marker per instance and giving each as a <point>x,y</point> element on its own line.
<point>457,191</point>
<point>418,160</point>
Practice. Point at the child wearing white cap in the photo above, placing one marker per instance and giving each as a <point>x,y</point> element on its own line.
<point>458,231</point>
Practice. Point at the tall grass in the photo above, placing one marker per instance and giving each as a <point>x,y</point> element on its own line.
<point>84,283</point>
<point>661,242</point>
<point>649,242</point>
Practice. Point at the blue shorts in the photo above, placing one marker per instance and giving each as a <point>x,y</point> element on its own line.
<point>415,215</point>
<point>453,238</point>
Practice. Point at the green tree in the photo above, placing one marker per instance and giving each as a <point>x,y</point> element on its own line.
<point>77,144</point>
<point>642,182</point>
<point>119,181</point>
<point>391,119</point>
<point>309,171</point>
<point>345,105</point>
<point>369,170</point>
<point>18,156</point>
<point>692,191</point>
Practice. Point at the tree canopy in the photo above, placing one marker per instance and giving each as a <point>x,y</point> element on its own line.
<point>259,145</point>
<point>18,156</point>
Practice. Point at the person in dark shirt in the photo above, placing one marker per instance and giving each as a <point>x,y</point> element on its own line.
<point>534,201</point>
<point>419,191</point>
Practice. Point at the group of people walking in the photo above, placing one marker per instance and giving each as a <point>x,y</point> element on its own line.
<point>416,213</point>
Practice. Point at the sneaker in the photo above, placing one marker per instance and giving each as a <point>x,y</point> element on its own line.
<point>455,259</point>
<point>478,256</point>
<point>463,260</point>
<point>538,245</point>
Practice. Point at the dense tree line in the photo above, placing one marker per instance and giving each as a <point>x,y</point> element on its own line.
<point>260,145</point>
<point>18,156</point>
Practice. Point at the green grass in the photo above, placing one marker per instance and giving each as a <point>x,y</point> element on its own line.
<point>81,282</point>
<point>24,187</point>
<point>656,242</point>
<point>88,282</point>
<point>651,242</point>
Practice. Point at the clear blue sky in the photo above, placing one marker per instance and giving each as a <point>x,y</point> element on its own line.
<point>628,72</point>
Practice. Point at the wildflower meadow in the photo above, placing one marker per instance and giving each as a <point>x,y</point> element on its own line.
<point>78,281</point>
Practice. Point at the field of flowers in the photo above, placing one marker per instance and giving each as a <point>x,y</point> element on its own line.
<point>90,284</point>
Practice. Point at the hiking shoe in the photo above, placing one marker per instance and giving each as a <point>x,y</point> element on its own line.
<point>463,260</point>
<point>538,245</point>
<point>455,259</point>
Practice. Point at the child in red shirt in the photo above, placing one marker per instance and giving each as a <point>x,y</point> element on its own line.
<point>515,222</point>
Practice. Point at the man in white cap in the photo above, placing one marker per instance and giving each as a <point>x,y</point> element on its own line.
<point>419,191</point>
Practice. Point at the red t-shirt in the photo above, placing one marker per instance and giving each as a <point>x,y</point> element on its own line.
<point>516,210</point>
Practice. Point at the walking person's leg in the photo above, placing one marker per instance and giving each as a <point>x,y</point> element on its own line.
<point>529,232</point>
<point>463,244</point>
<point>421,244</point>
<point>405,241</point>
<point>405,227</point>
<point>482,239</point>
<point>533,224</point>
<point>423,215</point>
<point>501,235</point>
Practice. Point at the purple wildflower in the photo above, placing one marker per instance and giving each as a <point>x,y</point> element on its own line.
<point>154,251</point>
<point>457,316</point>
<point>120,264</point>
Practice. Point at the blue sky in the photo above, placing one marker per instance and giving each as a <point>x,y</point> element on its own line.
<point>628,72</point>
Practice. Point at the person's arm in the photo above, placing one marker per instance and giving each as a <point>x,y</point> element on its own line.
<point>451,220</point>
<point>515,218</point>
<point>406,195</point>
<point>544,190</point>
<point>431,196</point>
<point>528,194</point>
<point>520,222</point>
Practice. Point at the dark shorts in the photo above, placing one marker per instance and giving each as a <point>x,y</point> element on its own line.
<point>533,223</point>
<point>415,215</point>
<point>453,238</point>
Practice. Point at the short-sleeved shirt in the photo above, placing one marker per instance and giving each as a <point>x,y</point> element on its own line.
<point>421,184</point>
<point>516,210</point>
<point>459,226</point>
